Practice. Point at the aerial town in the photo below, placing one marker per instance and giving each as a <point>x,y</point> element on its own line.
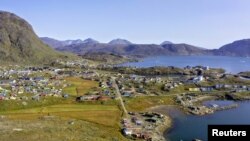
<point>131,70</point>
<point>81,83</point>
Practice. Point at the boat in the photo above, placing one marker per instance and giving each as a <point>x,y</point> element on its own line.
<point>214,105</point>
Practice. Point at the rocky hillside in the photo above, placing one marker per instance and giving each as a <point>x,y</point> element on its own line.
<point>19,43</point>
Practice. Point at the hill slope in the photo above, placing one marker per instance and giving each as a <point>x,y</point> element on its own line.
<point>19,43</point>
<point>237,48</point>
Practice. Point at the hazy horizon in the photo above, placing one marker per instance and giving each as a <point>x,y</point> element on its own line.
<point>209,23</point>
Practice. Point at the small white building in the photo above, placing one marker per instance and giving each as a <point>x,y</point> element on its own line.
<point>127,131</point>
<point>198,78</point>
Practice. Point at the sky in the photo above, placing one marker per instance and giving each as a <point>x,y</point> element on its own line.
<point>204,23</point>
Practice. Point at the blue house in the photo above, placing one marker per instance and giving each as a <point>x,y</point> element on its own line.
<point>126,94</point>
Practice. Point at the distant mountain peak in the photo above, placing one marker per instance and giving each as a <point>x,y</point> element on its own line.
<point>166,43</point>
<point>120,42</point>
<point>70,42</point>
<point>90,40</point>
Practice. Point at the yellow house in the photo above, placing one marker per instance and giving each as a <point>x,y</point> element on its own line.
<point>194,89</point>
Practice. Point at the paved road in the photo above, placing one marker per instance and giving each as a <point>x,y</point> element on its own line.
<point>119,96</point>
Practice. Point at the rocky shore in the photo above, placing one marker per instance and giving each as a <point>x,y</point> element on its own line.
<point>166,125</point>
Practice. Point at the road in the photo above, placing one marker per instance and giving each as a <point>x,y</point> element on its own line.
<point>119,97</point>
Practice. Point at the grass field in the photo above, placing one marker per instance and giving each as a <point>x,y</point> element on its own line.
<point>92,122</point>
<point>101,114</point>
<point>57,130</point>
<point>79,86</point>
<point>142,103</point>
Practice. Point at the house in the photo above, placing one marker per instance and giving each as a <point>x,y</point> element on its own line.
<point>65,96</point>
<point>243,87</point>
<point>127,131</point>
<point>88,98</point>
<point>168,86</point>
<point>219,86</point>
<point>206,89</point>
<point>106,92</point>
<point>248,88</point>
<point>126,94</point>
<point>141,90</point>
<point>198,78</point>
<point>2,97</point>
<point>138,122</point>
<point>239,90</point>
<point>206,68</point>
<point>228,86</point>
<point>12,98</point>
<point>194,89</point>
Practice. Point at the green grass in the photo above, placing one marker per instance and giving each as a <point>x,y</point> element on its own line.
<point>79,86</point>
<point>143,103</point>
<point>92,121</point>
<point>58,130</point>
<point>234,80</point>
<point>102,114</point>
<point>44,101</point>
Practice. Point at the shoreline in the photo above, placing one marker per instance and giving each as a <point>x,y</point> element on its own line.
<point>166,125</point>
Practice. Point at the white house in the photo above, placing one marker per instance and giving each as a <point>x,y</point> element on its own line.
<point>127,131</point>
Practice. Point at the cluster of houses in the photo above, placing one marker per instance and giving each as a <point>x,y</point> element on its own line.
<point>231,88</point>
<point>188,100</point>
<point>21,84</point>
<point>105,94</point>
<point>170,85</point>
<point>197,68</point>
<point>141,125</point>
<point>76,63</point>
<point>133,85</point>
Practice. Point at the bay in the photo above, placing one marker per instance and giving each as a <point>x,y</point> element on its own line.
<point>230,64</point>
<point>189,127</point>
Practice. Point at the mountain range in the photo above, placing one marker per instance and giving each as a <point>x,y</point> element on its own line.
<point>20,44</point>
<point>125,47</point>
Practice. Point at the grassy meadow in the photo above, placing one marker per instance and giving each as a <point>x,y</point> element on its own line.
<point>79,86</point>
<point>145,102</point>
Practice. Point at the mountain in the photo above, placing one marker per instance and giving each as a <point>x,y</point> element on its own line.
<point>90,41</point>
<point>120,42</point>
<point>124,47</point>
<point>142,50</point>
<point>166,43</point>
<point>237,48</point>
<point>58,44</point>
<point>20,44</point>
<point>52,42</point>
<point>69,42</point>
<point>185,49</point>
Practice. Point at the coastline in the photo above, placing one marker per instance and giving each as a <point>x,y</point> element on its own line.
<point>166,125</point>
